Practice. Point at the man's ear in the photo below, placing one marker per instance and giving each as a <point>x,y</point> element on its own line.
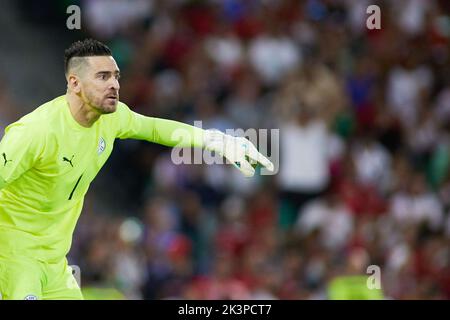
<point>73,83</point>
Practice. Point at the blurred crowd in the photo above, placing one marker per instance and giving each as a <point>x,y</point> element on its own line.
<point>364,150</point>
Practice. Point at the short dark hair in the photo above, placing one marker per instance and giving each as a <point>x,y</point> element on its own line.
<point>85,48</point>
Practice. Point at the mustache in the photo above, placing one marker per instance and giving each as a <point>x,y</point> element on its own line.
<point>112,94</point>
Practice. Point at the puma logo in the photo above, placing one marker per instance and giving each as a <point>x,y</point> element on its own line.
<point>6,160</point>
<point>69,161</point>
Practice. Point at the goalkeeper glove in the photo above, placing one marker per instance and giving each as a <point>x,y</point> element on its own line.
<point>237,150</point>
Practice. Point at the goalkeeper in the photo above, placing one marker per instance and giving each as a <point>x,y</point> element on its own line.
<point>49,157</point>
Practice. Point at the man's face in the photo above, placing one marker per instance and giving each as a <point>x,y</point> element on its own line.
<point>100,84</point>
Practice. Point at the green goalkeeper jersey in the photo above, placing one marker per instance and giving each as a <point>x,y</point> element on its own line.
<point>47,162</point>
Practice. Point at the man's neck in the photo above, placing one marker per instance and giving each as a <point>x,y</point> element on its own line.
<point>84,114</point>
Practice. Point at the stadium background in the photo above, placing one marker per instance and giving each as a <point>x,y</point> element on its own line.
<point>364,144</point>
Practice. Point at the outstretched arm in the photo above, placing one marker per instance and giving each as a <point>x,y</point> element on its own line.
<point>238,151</point>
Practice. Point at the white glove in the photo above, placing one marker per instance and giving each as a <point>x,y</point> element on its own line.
<point>237,150</point>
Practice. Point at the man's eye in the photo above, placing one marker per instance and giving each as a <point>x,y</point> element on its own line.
<point>117,76</point>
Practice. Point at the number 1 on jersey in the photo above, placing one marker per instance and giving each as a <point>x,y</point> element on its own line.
<point>76,185</point>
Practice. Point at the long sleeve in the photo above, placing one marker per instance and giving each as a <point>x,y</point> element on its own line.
<point>20,148</point>
<point>166,132</point>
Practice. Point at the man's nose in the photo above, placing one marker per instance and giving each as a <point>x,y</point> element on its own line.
<point>114,84</point>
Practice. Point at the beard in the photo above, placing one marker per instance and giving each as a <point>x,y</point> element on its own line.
<point>103,104</point>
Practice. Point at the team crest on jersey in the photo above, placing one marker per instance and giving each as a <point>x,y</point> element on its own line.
<point>101,146</point>
<point>30,297</point>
